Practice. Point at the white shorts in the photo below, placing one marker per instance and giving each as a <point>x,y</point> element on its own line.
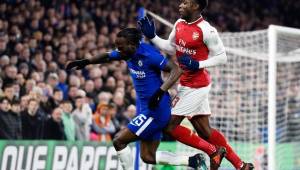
<point>190,102</point>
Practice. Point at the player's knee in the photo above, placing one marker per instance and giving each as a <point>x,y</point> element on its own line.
<point>169,129</point>
<point>148,158</point>
<point>118,144</point>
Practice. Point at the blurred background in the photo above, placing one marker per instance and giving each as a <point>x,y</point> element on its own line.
<point>40,100</point>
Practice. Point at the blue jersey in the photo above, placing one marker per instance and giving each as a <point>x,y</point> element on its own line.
<point>145,69</point>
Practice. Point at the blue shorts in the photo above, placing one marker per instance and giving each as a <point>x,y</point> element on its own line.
<point>147,127</point>
<point>148,124</point>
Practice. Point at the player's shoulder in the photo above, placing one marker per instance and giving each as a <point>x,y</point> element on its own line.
<point>205,26</point>
<point>147,49</point>
<point>207,29</point>
<point>179,21</point>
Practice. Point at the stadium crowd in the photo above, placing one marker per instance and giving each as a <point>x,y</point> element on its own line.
<point>41,100</point>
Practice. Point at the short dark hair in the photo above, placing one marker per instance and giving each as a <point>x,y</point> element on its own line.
<point>112,106</point>
<point>33,99</point>
<point>2,99</point>
<point>15,102</point>
<point>131,34</point>
<point>66,102</point>
<point>9,85</point>
<point>203,4</point>
<point>57,90</point>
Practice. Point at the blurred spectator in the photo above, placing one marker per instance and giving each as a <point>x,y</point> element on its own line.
<point>33,122</point>
<point>102,124</point>
<point>110,85</point>
<point>72,93</point>
<point>9,92</point>
<point>24,70</point>
<point>112,111</point>
<point>4,61</point>
<point>1,91</point>
<point>128,115</point>
<point>119,100</point>
<point>55,100</point>
<point>54,128</point>
<point>3,43</point>
<point>62,85</point>
<point>30,83</point>
<point>83,118</point>
<point>10,121</point>
<point>68,121</point>
<point>98,83</point>
<point>10,74</point>
<point>53,80</point>
<point>24,102</point>
<point>16,108</point>
<point>104,97</point>
<point>89,88</point>
<point>74,81</point>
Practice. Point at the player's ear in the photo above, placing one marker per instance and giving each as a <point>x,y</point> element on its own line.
<point>195,6</point>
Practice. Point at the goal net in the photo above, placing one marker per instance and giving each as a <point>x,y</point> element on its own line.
<point>240,98</point>
<point>255,97</point>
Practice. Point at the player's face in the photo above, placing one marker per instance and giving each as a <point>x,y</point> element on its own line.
<point>125,47</point>
<point>186,8</point>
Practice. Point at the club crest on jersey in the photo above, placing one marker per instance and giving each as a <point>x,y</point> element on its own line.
<point>140,63</point>
<point>195,35</point>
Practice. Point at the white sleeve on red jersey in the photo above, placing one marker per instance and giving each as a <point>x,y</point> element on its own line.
<point>211,38</point>
<point>169,44</point>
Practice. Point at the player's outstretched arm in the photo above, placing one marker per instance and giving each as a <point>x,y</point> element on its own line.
<point>148,29</point>
<point>102,58</point>
<point>175,73</point>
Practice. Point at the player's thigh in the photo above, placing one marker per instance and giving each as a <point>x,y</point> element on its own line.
<point>174,121</point>
<point>146,127</point>
<point>190,102</point>
<point>201,125</point>
<point>148,150</point>
<point>124,137</point>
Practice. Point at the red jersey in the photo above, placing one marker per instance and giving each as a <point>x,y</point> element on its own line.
<point>199,40</point>
<point>189,40</point>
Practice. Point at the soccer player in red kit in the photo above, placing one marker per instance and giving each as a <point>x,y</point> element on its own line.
<point>197,46</point>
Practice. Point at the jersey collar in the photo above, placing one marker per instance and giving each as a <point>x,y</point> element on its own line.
<point>196,21</point>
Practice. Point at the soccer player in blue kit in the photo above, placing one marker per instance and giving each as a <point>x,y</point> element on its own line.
<point>145,64</point>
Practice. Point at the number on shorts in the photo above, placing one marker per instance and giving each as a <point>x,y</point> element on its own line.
<point>137,121</point>
<point>175,101</point>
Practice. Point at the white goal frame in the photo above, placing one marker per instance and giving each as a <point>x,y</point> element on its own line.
<point>272,72</point>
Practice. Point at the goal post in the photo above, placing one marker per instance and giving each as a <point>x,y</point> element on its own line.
<point>272,97</point>
<point>273,32</point>
<point>255,97</point>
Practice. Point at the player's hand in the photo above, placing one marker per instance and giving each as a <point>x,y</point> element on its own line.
<point>78,64</point>
<point>188,62</point>
<point>147,27</point>
<point>155,98</point>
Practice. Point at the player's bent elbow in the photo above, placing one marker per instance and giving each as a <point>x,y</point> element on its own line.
<point>223,58</point>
